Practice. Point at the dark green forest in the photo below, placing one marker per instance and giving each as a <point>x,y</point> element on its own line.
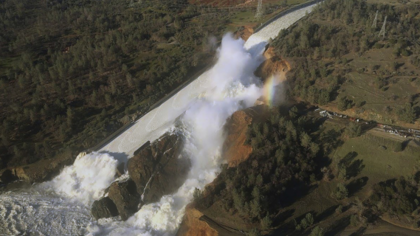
<point>286,159</point>
<point>71,72</point>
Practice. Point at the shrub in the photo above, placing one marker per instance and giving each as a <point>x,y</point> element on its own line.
<point>354,130</point>
<point>254,232</point>
<point>317,231</point>
<point>340,192</point>
<point>354,220</point>
<point>398,147</point>
<point>339,209</point>
<point>266,222</point>
<point>344,103</point>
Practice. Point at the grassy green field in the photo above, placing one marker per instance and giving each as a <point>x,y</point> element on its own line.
<point>379,159</point>
<point>381,102</point>
<point>375,160</point>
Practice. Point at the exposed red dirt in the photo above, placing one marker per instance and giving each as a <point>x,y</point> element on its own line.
<point>192,225</point>
<point>234,149</point>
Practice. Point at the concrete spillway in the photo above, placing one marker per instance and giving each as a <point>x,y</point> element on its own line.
<point>157,121</point>
<point>62,206</point>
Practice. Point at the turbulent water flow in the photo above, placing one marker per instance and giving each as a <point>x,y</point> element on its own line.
<point>202,126</point>
<point>62,206</point>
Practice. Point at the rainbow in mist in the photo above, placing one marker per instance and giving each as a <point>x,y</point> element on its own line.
<point>269,89</point>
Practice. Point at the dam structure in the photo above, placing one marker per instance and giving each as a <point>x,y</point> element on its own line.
<point>152,125</point>
<point>62,206</point>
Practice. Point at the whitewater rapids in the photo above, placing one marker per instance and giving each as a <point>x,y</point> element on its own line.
<point>62,206</point>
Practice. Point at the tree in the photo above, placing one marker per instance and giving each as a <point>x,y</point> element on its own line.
<point>354,220</point>
<point>344,104</point>
<point>305,222</point>
<point>340,192</point>
<point>266,222</point>
<point>339,209</point>
<point>4,139</point>
<point>353,130</point>
<point>293,112</point>
<point>314,148</point>
<point>178,23</point>
<point>3,85</point>
<point>17,151</point>
<point>310,219</point>
<point>254,232</point>
<point>398,147</point>
<point>317,231</point>
<point>255,208</point>
<point>305,140</point>
<point>238,200</point>
<point>69,116</point>
<point>408,114</point>
<point>324,97</point>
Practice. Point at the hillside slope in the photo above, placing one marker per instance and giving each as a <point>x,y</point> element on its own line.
<point>340,61</point>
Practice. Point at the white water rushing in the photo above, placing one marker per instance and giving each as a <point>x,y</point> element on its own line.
<point>62,206</point>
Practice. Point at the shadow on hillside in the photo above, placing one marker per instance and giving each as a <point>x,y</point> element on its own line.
<point>405,144</point>
<point>348,158</point>
<point>331,140</point>
<point>295,194</point>
<point>356,185</point>
<point>283,216</point>
<point>325,214</point>
<point>355,168</point>
<point>359,232</point>
<point>338,226</point>
<point>289,228</point>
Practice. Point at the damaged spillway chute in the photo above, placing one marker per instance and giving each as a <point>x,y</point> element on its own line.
<point>62,206</point>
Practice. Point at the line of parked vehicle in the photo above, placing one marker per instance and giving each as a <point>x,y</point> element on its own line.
<point>400,131</point>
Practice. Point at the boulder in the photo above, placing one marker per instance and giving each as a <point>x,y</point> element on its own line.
<point>141,166</point>
<point>104,208</point>
<point>125,197</point>
<point>170,175</point>
<point>273,65</point>
<point>160,166</point>
<point>7,176</point>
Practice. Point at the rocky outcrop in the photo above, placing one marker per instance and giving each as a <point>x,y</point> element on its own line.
<point>7,176</point>
<point>125,197</point>
<point>159,168</point>
<point>156,169</point>
<point>273,65</point>
<point>245,32</point>
<point>104,208</point>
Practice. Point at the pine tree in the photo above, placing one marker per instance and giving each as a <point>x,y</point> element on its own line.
<point>266,222</point>
<point>69,116</point>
